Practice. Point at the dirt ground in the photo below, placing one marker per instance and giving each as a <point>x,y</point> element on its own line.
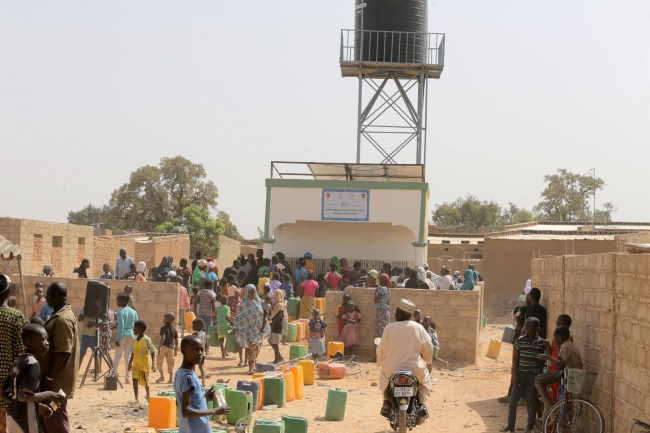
<point>462,400</point>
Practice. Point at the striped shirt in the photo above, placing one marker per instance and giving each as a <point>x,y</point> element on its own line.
<point>205,302</point>
<point>528,353</point>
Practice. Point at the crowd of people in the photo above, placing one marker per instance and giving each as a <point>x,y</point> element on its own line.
<point>538,362</point>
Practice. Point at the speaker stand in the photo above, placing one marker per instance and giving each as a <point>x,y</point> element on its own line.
<point>97,352</point>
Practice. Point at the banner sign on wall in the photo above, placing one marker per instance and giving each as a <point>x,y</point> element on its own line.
<point>345,205</point>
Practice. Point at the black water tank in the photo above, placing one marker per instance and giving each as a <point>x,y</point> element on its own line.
<point>380,17</point>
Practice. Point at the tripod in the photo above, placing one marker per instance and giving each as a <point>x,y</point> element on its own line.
<point>97,352</point>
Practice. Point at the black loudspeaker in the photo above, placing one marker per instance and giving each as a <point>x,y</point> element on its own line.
<point>97,298</point>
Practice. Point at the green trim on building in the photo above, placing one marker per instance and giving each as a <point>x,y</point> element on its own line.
<point>268,241</point>
<point>419,244</point>
<point>345,184</point>
<point>423,216</point>
<point>267,217</point>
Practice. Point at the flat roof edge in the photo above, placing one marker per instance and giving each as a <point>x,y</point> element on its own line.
<point>355,184</point>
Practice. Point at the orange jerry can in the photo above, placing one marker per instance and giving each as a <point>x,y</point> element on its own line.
<point>260,393</point>
<point>290,385</point>
<point>162,412</point>
<point>331,370</point>
<point>298,381</point>
<point>333,347</point>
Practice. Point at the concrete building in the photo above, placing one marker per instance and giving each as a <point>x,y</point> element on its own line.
<point>364,211</point>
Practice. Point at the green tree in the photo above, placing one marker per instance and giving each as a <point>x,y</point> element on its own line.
<point>515,215</point>
<point>230,230</point>
<point>467,213</point>
<point>155,195</point>
<point>88,216</point>
<point>203,228</point>
<point>604,215</point>
<point>566,197</point>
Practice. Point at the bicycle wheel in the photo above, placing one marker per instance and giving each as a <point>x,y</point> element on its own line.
<point>575,415</point>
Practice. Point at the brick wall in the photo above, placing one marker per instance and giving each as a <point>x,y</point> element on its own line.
<point>230,249</point>
<point>152,300</point>
<point>456,251</point>
<point>608,299</point>
<point>106,249</point>
<point>456,315</point>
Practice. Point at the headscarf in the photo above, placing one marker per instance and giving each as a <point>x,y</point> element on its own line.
<point>469,280</point>
<point>384,280</point>
<point>337,262</point>
<point>422,276</point>
<point>346,266</point>
<point>142,267</point>
<point>249,318</point>
<point>278,297</point>
<point>456,275</point>
<point>374,274</point>
<point>528,286</point>
<point>163,269</point>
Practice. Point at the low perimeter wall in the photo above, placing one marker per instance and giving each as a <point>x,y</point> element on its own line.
<point>608,298</point>
<point>152,300</point>
<point>456,314</point>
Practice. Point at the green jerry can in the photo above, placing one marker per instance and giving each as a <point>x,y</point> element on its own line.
<point>168,430</point>
<point>275,391</point>
<point>231,344</point>
<point>297,351</point>
<point>292,332</point>
<point>241,406</point>
<point>263,425</point>
<point>213,340</point>
<point>295,424</point>
<point>336,400</point>
<point>293,307</point>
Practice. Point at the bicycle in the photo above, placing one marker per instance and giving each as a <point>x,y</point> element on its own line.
<point>573,413</point>
<point>640,427</point>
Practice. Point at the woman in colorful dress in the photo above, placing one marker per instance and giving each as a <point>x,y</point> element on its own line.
<point>382,311</point>
<point>248,327</point>
<point>307,294</point>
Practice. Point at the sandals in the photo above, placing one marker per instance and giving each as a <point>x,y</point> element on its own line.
<point>506,428</point>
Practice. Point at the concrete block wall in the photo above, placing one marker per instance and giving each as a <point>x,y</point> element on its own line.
<point>152,300</point>
<point>230,249</point>
<point>107,250</point>
<point>36,243</point>
<point>456,314</point>
<point>608,299</point>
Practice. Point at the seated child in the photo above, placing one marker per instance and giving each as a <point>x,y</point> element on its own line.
<point>350,333</point>
<point>430,327</point>
<point>316,333</point>
<point>223,324</point>
<point>568,357</point>
<point>192,401</point>
<point>141,364</point>
<point>22,386</point>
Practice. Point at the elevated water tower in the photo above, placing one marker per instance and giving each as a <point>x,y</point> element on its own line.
<point>393,56</point>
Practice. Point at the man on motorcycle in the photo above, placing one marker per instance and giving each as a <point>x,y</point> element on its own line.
<point>405,345</point>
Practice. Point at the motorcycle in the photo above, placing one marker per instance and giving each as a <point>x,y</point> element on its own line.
<point>405,412</point>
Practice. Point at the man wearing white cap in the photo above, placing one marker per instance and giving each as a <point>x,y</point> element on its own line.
<point>405,345</point>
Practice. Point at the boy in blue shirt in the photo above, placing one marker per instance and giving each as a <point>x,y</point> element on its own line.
<point>195,415</point>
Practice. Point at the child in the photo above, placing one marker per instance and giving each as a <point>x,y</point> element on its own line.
<point>168,344</point>
<point>184,272</point>
<point>526,367</point>
<point>275,283</point>
<point>131,274</point>
<point>39,300</point>
<point>205,304</point>
<point>417,317</point>
<point>350,333</point>
<point>266,307</point>
<point>223,324</point>
<point>341,310</point>
<point>128,289</point>
<point>287,286</point>
<point>141,364</point>
<point>194,412</point>
<point>277,322</point>
<point>36,320</point>
<point>363,279</point>
<point>12,301</point>
<point>198,325</point>
<point>430,327</point>
<point>333,278</point>
<point>567,357</point>
<point>107,273</point>
<point>316,333</point>
<point>21,388</point>
<point>126,318</point>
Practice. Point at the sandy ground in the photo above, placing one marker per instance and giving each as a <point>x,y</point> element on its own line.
<point>463,400</point>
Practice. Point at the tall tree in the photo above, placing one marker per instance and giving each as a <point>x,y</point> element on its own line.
<point>204,230</point>
<point>566,197</point>
<point>230,230</point>
<point>88,216</point>
<point>467,213</point>
<point>516,215</point>
<point>154,195</point>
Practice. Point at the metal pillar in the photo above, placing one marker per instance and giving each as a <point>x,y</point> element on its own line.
<point>391,113</point>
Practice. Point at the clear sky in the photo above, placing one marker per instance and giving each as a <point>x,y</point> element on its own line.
<point>91,90</point>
